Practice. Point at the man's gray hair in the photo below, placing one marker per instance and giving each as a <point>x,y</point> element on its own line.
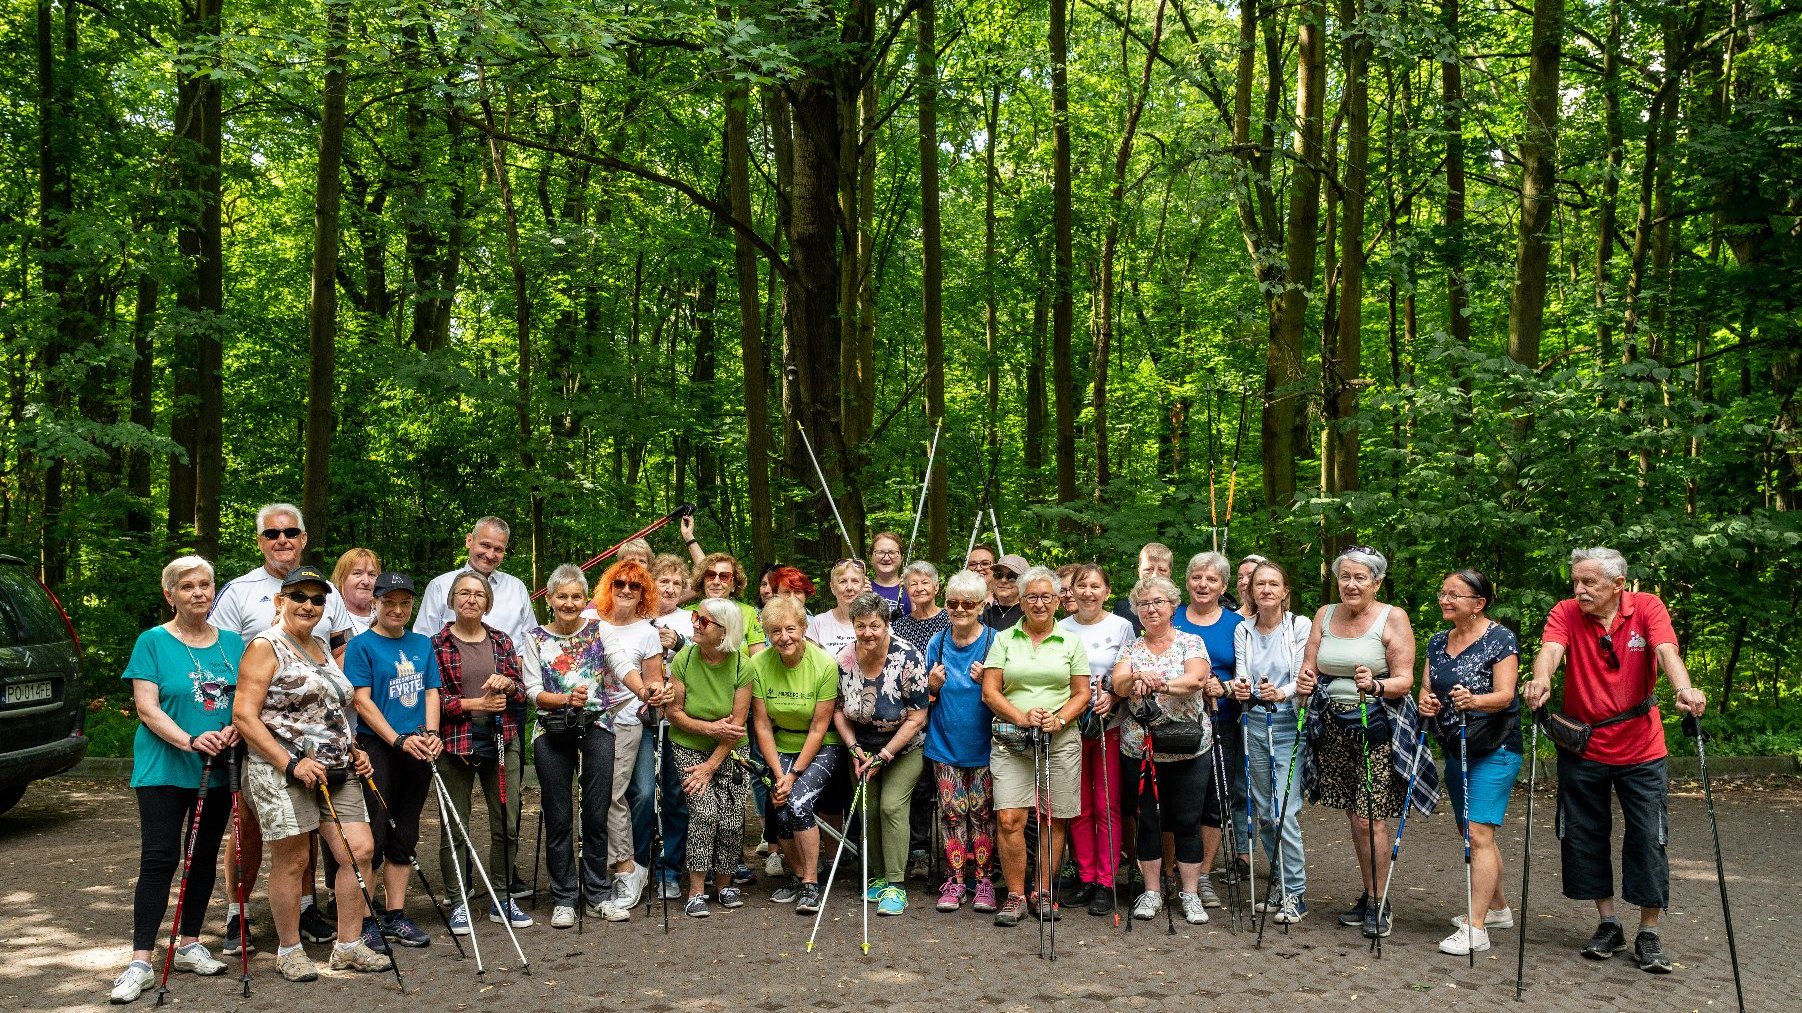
<point>492,522</point>
<point>1366,556</point>
<point>568,573</point>
<point>1613,564</point>
<point>271,509</point>
<point>1038,573</point>
<point>1212,560</point>
<point>967,585</point>
<point>924,569</point>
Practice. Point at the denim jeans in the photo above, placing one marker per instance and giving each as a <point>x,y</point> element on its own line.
<point>674,805</point>
<point>557,771</point>
<point>1293,876</point>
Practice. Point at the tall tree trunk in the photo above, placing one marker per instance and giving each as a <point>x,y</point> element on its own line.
<point>1063,274</point>
<point>1339,461</point>
<point>1538,178</point>
<point>991,327</point>
<point>1457,280</point>
<point>1036,397</point>
<point>750,330</point>
<point>1611,180</point>
<point>55,205</point>
<point>938,529</point>
<point>142,398</point>
<point>322,309</point>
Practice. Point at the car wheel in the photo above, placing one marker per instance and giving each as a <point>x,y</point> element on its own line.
<point>10,796</point>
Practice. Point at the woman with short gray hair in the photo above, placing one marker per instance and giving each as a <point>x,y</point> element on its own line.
<point>957,742</point>
<point>924,616</point>
<point>1206,616</point>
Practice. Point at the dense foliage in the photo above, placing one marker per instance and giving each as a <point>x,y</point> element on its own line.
<point>533,293</point>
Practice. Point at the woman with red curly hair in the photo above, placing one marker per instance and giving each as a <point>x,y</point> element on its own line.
<point>789,580</point>
<point>625,599</point>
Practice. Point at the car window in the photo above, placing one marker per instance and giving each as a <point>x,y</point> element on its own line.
<point>27,615</point>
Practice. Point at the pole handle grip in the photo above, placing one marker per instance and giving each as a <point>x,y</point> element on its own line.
<point>1692,727</point>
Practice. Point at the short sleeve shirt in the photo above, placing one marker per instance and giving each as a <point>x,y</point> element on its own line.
<point>577,660</point>
<point>635,644</point>
<point>194,687</point>
<point>919,632</point>
<point>397,672</point>
<point>707,691</point>
<point>1595,689</point>
<point>830,632</point>
<point>879,705</point>
<point>789,695</point>
<point>1037,676</point>
<point>1474,669</point>
<point>1162,708</point>
<point>246,606</point>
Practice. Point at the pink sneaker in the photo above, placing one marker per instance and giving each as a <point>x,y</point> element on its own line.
<point>951,895</point>
<point>985,896</point>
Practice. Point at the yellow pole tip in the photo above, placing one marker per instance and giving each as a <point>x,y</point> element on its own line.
<point>810,947</point>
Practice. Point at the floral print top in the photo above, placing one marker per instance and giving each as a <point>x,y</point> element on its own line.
<point>1145,713</point>
<point>876,707</point>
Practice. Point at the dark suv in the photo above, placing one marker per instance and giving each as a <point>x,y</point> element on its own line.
<point>40,683</point>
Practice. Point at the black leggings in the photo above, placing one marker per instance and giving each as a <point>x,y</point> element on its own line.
<point>165,813</point>
<point>403,781</point>
<point>1181,787</point>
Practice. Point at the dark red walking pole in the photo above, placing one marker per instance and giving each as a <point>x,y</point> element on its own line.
<point>685,510</point>
<point>187,862</point>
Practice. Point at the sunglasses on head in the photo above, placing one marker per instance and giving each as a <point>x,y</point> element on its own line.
<point>271,534</point>
<point>852,562</point>
<point>303,598</point>
<point>624,585</point>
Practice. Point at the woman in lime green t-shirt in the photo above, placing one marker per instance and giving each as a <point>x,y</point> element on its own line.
<point>708,718</point>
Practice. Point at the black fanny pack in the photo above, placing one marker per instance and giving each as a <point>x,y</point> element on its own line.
<point>563,725</point>
<point>336,776</point>
<point>1572,735</point>
<point>1350,718</point>
<point>1181,738</point>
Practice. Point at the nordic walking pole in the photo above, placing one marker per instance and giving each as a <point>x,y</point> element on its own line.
<point>475,862</point>
<point>827,489</point>
<point>1251,815</point>
<point>1469,899</point>
<point>187,862</point>
<point>1232,481</point>
<point>1370,801</point>
<point>1526,864</point>
<point>1051,850</point>
<point>863,847</point>
<point>925,484</point>
<point>537,853</point>
<point>1157,799</point>
<point>500,775</point>
<point>448,816</point>
<point>388,815</point>
<point>685,510</point>
<point>350,858</point>
<point>657,820</point>
<point>1395,850</point>
<point>996,526</point>
<point>832,873</point>
<point>1037,738</point>
<point>1107,811</point>
<point>1301,734</point>
<point>1692,727</point>
<point>1275,819</point>
<point>234,767</point>
<point>1228,832</point>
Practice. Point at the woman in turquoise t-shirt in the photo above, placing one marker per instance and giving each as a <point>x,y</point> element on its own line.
<point>182,676</point>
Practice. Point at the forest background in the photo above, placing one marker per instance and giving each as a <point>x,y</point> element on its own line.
<point>1475,282</point>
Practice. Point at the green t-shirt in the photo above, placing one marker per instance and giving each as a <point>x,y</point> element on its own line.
<point>790,694</point>
<point>709,692</point>
<point>1037,676</point>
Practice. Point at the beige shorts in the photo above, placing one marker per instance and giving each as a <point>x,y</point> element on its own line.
<point>286,809</point>
<point>1013,775</point>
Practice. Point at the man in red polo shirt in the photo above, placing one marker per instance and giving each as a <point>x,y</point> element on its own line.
<point>1615,641</point>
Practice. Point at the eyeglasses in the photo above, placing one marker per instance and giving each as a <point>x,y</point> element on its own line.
<point>979,565</point>
<point>1000,574</point>
<point>720,575</point>
<point>1040,599</point>
<point>628,585</point>
<point>469,592</point>
<point>1606,641</point>
<point>962,606</point>
<point>1158,604</point>
<point>1449,596</point>
<point>271,534</point>
<point>702,622</point>
<point>318,601</point>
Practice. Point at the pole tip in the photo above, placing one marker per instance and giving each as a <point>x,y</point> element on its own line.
<point>810,946</point>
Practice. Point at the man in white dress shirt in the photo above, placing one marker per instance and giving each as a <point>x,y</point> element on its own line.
<point>512,613</point>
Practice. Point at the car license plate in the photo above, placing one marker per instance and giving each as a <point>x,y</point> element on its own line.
<point>25,692</point>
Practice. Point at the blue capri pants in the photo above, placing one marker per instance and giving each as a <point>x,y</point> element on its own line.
<point>1491,783</point>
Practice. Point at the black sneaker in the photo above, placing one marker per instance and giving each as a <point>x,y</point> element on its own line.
<point>316,928</point>
<point>518,889</point>
<point>807,902</point>
<point>1379,920</point>
<point>1079,894</point>
<point>1236,870</point>
<point>1102,904</point>
<point>1354,915</point>
<point>1649,954</point>
<point>1607,941</point>
<point>233,933</point>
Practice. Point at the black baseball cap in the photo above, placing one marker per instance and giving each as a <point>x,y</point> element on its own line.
<point>394,582</point>
<point>303,575</point>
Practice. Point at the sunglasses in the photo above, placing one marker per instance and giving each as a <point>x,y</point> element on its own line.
<point>271,534</point>
<point>720,575</point>
<point>702,622</point>
<point>1606,641</point>
<point>1000,574</point>
<point>628,585</point>
<point>962,606</point>
<point>318,601</point>
<point>1365,549</point>
<point>853,562</point>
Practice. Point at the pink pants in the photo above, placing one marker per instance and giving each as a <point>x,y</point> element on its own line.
<point>1096,857</point>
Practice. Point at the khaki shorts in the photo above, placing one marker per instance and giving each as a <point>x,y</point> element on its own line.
<point>1013,775</point>
<point>286,809</point>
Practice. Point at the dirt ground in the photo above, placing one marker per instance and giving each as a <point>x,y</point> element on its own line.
<point>68,858</point>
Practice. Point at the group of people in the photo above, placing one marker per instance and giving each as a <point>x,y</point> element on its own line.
<point>1167,737</point>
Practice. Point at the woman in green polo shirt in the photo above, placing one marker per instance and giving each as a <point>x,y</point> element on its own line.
<point>1036,676</point>
<point>794,689</point>
<point>707,722</point>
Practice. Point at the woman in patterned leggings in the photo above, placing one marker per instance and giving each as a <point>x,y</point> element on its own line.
<point>957,743</point>
<point>707,718</point>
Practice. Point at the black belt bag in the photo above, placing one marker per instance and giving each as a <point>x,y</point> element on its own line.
<point>1182,738</point>
<point>1572,735</point>
<point>336,776</point>
<point>563,725</point>
<point>1351,720</point>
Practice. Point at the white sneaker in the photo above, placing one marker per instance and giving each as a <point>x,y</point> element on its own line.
<point>772,866</point>
<point>1149,904</point>
<point>614,913</point>
<point>563,916</point>
<point>1503,919</point>
<point>628,888</point>
<point>195,959</point>
<point>1465,940</point>
<point>132,981</point>
<point>1193,911</point>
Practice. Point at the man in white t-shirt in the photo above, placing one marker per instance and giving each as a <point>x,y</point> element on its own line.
<point>512,611</point>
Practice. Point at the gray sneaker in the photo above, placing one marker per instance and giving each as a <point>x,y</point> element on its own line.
<point>1205,890</point>
<point>788,891</point>
<point>732,897</point>
<point>696,906</point>
<point>131,982</point>
<point>295,965</point>
<point>808,900</point>
<point>195,959</point>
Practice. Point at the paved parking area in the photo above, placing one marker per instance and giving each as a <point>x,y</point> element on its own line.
<point>68,856</point>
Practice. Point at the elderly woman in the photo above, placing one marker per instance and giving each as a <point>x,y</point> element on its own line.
<point>1036,677</point>
<point>882,702</point>
<point>719,575</point>
<point>1269,649</point>
<point>1163,682</point>
<point>923,617</point>
<point>568,677</point>
<point>794,691</point>
<point>790,581</point>
<point>1472,670</point>
<point>1359,664</point>
<point>294,709</point>
<point>674,626</point>
<point>1095,832</point>
<point>958,731</point>
<point>182,676</point>
<point>483,713</point>
<point>831,629</point>
<point>708,717</point>
<point>354,576</point>
<point>1207,617</point>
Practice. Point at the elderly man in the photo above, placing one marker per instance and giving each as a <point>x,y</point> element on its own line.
<point>1613,642</point>
<point>1003,610</point>
<point>512,611</point>
<point>246,606</point>
<point>1155,560</point>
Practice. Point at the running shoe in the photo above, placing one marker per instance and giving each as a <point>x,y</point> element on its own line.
<point>232,936</point>
<point>788,891</point>
<point>732,897</point>
<point>563,916</point>
<point>315,927</point>
<point>400,929</point>
<point>1294,909</point>
<point>1079,894</point>
<point>1503,919</point>
<point>1045,907</point>
<point>1194,912</point>
<point>628,887</point>
<point>1102,904</point>
<point>984,902</point>
<point>1012,911</point>
<point>1149,905</point>
<point>1205,890</point>
<point>1465,941</point>
<point>696,906</point>
<point>372,933</point>
<point>669,889</point>
<point>459,920</point>
<point>807,902</point>
<point>1378,920</point>
<point>951,895</point>
<point>1273,901</point>
<point>1649,954</point>
<point>518,889</point>
<point>131,982</point>
<point>892,902</point>
<point>874,892</point>
<point>511,914</point>
<point>743,876</point>
<point>295,965</point>
<point>358,957</point>
<point>1354,915</point>
<point>195,959</point>
<point>1607,941</point>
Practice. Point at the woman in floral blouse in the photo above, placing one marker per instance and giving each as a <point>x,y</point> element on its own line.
<point>882,702</point>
